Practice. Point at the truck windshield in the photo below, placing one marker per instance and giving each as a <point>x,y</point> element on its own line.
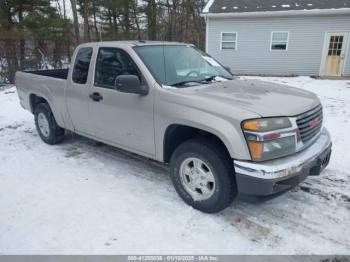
<point>181,65</point>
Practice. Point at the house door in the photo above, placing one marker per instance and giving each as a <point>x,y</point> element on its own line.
<point>334,54</point>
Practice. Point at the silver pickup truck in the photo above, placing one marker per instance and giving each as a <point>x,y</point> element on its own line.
<point>222,137</point>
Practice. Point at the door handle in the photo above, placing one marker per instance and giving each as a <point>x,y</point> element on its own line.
<point>96,97</point>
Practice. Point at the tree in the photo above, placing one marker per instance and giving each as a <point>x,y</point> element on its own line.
<point>7,24</point>
<point>95,11</point>
<point>86,21</point>
<point>76,22</point>
<point>151,14</point>
<point>31,30</point>
<point>135,12</point>
<point>24,26</point>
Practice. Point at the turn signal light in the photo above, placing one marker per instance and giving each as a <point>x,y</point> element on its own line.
<point>266,124</point>
<point>251,125</point>
<point>255,149</point>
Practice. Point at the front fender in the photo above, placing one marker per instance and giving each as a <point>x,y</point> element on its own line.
<point>228,131</point>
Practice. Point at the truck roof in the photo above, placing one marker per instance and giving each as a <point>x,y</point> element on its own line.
<point>135,43</point>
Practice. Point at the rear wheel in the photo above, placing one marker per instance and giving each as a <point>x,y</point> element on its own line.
<point>203,175</point>
<point>46,125</point>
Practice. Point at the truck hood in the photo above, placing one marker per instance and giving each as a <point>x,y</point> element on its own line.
<point>263,98</point>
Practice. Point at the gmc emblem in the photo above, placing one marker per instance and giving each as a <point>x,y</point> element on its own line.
<point>314,122</point>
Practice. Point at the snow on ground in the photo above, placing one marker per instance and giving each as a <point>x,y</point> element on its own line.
<point>82,197</point>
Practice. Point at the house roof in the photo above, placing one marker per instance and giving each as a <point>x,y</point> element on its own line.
<point>246,6</point>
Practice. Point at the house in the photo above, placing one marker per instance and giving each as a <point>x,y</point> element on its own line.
<point>280,37</point>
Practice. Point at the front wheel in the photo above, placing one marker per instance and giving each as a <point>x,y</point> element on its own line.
<point>203,175</point>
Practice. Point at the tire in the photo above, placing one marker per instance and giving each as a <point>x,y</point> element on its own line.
<point>219,166</point>
<point>46,125</point>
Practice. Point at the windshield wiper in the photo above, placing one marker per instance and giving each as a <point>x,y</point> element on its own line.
<point>182,83</point>
<point>201,81</point>
<point>211,78</point>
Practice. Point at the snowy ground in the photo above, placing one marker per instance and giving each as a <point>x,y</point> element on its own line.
<point>82,197</point>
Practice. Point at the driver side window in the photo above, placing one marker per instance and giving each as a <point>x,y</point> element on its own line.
<point>112,62</point>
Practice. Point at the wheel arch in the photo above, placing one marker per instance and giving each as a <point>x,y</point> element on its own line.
<point>176,134</point>
<point>34,100</point>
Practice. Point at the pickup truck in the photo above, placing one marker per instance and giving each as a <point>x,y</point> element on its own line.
<point>221,136</point>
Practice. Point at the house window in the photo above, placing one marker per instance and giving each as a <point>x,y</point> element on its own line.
<point>279,40</point>
<point>229,41</point>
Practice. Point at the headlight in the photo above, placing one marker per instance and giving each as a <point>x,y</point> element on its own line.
<point>269,138</point>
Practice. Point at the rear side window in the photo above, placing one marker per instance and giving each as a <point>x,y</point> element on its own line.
<point>113,62</point>
<point>81,66</point>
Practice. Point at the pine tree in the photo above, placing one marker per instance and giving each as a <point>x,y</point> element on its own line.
<point>26,25</point>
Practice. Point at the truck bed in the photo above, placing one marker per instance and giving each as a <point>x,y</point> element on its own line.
<point>48,84</point>
<point>55,73</point>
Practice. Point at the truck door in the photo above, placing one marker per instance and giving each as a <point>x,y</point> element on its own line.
<point>77,92</point>
<point>120,118</point>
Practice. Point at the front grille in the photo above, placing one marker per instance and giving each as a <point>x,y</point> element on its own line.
<point>310,123</point>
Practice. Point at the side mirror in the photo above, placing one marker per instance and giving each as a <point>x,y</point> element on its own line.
<point>130,84</point>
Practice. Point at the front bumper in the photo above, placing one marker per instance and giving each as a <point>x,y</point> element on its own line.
<point>277,176</point>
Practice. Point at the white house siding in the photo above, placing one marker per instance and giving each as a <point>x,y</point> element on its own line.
<point>253,56</point>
